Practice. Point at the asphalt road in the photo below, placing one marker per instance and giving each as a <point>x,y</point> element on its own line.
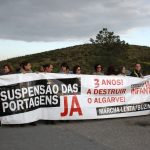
<point>110,134</point>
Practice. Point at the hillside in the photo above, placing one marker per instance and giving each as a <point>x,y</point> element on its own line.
<point>87,55</point>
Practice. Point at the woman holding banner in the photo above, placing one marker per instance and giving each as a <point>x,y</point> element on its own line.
<point>98,70</point>
<point>77,69</point>
<point>7,69</point>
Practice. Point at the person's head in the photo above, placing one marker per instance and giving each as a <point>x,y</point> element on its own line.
<point>48,68</point>
<point>122,70</point>
<point>41,68</point>
<point>98,68</point>
<point>26,66</point>
<point>111,70</point>
<point>67,69</point>
<point>77,69</point>
<point>7,68</point>
<point>138,67</point>
<point>64,68</point>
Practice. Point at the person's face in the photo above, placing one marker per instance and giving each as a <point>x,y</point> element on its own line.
<point>49,69</point>
<point>28,67</point>
<point>78,71</point>
<point>123,70</point>
<point>99,68</point>
<point>138,67</point>
<point>41,69</point>
<point>6,69</point>
<point>64,69</point>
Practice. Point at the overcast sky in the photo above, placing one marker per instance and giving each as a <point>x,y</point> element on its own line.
<point>30,26</point>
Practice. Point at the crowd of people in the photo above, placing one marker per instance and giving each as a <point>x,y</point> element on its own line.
<point>26,67</point>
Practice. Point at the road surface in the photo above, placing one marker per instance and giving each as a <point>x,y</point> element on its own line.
<point>109,134</point>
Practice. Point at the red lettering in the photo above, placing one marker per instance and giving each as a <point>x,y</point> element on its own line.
<point>89,91</point>
<point>95,91</point>
<point>75,107</point>
<point>97,84</point>
<point>65,107</point>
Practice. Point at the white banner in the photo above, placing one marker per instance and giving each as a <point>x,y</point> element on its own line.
<point>30,97</point>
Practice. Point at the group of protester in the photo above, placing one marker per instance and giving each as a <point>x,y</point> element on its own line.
<point>26,67</point>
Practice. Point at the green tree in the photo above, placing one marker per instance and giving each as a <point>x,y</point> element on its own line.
<point>109,41</point>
